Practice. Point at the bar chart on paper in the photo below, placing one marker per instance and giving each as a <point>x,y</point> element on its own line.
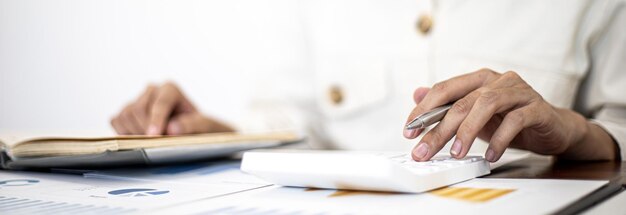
<point>471,194</point>
<point>37,193</point>
<point>477,196</point>
<point>462,194</point>
<point>12,205</point>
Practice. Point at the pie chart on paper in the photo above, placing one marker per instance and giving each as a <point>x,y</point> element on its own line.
<point>138,192</point>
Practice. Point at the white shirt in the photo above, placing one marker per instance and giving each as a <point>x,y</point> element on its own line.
<point>364,59</point>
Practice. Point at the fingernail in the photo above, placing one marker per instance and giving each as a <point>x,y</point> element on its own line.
<point>173,128</point>
<point>409,133</point>
<point>421,151</point>
<point>490,155</point>
<point>153,130</point>
<point>456,148</point>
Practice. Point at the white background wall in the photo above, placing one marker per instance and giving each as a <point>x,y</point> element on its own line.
<point>69,65</point>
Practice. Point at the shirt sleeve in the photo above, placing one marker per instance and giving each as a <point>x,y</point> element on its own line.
<point>602,95</point>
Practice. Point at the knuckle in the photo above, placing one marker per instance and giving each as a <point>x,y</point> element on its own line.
<point>539,113</point>
<point>436,136</point>
<point>444,131</point>
<point>516,117</point>
<point>489,97</point>
<point>440,90</point>
<point>497,140</point>
<point>461,106</point>
<point>523,86</point>
<point>466,128</point>
<point>170,85</point>
<point>486,72</point>
<point>512,75</point>
<point>440,87</point>
<point>537,98</point>
<point>150,89</point>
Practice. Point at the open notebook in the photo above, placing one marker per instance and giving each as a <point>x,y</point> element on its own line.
<point>68,152</point>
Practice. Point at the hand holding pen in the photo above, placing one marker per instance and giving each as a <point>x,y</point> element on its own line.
<point>505,111</point>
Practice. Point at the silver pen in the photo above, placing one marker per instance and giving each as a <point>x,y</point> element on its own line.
<point>431,117</point>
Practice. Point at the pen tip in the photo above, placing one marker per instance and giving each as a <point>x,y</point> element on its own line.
<point>413,125</point>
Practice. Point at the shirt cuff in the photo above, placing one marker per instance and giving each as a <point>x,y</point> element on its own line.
<point>617,131</point>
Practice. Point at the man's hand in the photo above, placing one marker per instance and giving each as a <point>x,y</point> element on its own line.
<point>164,110</point>
<point>504,110</point>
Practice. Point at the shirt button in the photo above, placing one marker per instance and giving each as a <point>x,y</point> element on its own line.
<point>424,24</point>
<point>335,95</point>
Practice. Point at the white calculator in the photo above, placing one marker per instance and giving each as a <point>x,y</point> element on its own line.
<point>370,171</point>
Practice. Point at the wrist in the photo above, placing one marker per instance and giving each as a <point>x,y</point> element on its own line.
<point>588,141</point>
<point>580,132</point>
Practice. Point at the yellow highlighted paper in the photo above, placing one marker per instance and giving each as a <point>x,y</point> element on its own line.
<point>471,194</point>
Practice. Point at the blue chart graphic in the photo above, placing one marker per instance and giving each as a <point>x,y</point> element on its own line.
<point>18,182</point>
<point>137,192</point>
